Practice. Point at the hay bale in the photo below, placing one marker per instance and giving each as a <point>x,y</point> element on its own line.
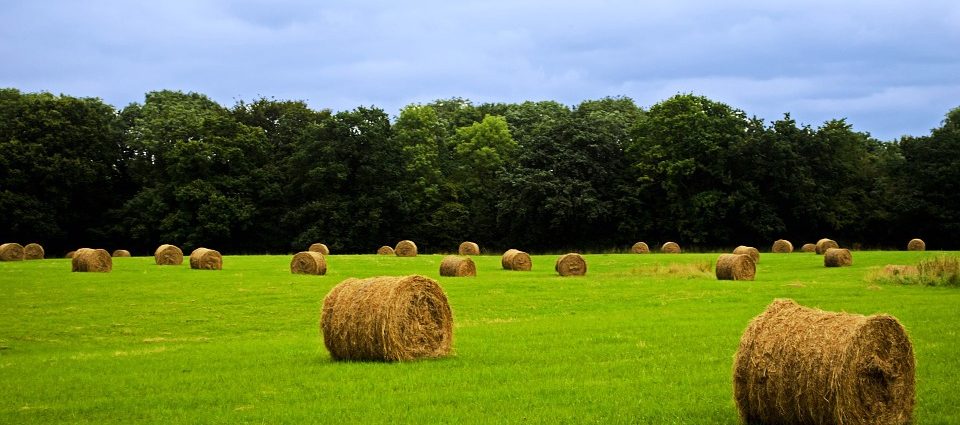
<point>571,264</point>
<point>206,259</point>
<point>406,248</point>
<point>894,270</point>
<point>750,251</point>
<point>121,253</point>
<point>319,247</point>
<point>808,247</point>
<point>670,248</point>
<point>11,251</point>
<point>455,266</point>
<point>385,250</point>
<point>735,267</point>
<point>640,248</point>
<point>824,244</point>
<point>916,245</point>
<point>33,251</point>
<point>837,257</point>
<point>469,248</point>
<point>168,255</point>
<point>387,318</point>
<point>797,365</point>
<point>782,246</point>
<point>308,262</point>
<point>69,254</point>
<point>517,260</point>
<point>91,260</point>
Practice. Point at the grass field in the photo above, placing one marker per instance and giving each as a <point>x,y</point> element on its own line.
<point>630,342</point>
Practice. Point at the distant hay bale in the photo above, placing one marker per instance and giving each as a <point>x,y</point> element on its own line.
<point>469,248</point>
<point>456,266</point>
<point>782,246</point>
<point>70,254</point>
<point>385,250</point>
<point>824,244</point>
<point>837,257</point>
<point>571,264</point>
<point>808,247</point>
<point>640,248</point>
<point>121,253</point>
<point>319,247</point>
<point>735,267</point>
<point>406,248</point>
<point>387,318</point>
<point>916,245</point>
<point>91,260</point>
<point>33,251</point>
<point>11,251</point>
<point>308,262</point>
<point>750,251</point>
<point>168,255</point>
<point>206,259</point>
<point>797,365</point>
<point>670,248</point>
<point>516,260</point>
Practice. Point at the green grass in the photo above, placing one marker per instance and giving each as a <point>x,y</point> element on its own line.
<point>634,341</point>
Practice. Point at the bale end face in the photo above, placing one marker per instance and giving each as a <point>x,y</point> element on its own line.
<point>750,251</point>
<point>206,259</point>
<point>824,244</point>
<point>916,245</point>
<point>385,250</point>
<point>670,248</point>
<point>455,266</point>
<point>406,248</point>
<point>308,262</point>
<point>837,257</point>
<point>516,260</point>
<point>168,255</point>
<point>571,264</point>
<point>469,248</point>
<point>33,251</point>
<point>640,248</point>
<point>319,247</point>
<point>782,246</point>
<point>735,267</point>
<point>11,251</point>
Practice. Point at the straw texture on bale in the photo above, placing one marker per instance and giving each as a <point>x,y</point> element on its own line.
<point>456,266</point>
<point>640,248</point>
<point>571,264</point>
<point>206,259</point>
<point>469,248</point>
<point>916,245</point>
<point>797,365</point>
<point>735,267</point>
<point>385,250</point>
<point>749,251</point>
<point>782,246</point>
<point>308,262</point>
<point>70,254</point>
<point>808,247</point>
<point>91,260</point>
<point>824,244</point>
<point>11,252</point>
<point>670,248</point>
<point>837,257</point>
<point>517,260</point>
<point>319,247</point>
<point>168,255</point>
<point>121,253</point>
<point>387,318</point>
<point>33,251</point>
<point>406,248</point>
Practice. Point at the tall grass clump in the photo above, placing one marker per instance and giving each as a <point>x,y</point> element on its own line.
<point>937,271</point>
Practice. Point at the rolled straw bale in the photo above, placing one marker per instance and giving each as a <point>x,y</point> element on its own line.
<point>168,255</point>
<point>735,267</point>
<point>406,248</point>
<point>837,257</point>
<point>385,250</point>
<point>469,248</point>
<point>387,318</point>
<point>70,254</point>
<point>11,251</point>
<point>517,260</point>
<point>33,251</point>
<point>121,253</point>
<point>308,262</point>
<point>456,266</point>
<point>797,365</point>
<point>824,244</point>
<point>206,259</point>
<point>782,246</point>
<point>319,247</point>
<point>900,270</point>
<point>808,247</point>
<point>571,264</point>
<point>670,248</point>
<point>640,248</point>
<point>748,250</point>
<point>91,260</point>
<point>916,245</point>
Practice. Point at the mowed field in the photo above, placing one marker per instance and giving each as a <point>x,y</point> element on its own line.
<point>636,340</point>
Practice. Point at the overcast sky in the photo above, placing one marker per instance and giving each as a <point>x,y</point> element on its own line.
<point>890,67</point>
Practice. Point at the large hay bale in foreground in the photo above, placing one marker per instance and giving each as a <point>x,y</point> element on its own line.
<point>670,248</point>
<point>837,257</point>
<point>455,266</point>
<point>11,251</point>
<point>385,250</point>
<point>808,247</point>
<point>782,246</point>
<point>469,248</point>
<point>168,255</point>
<point>33,251</point>
<point>571,264</point>
<point>750,251</point>
<point>121,253</point>
<point>640,248</point>
<point>735,267</point>
<point>824,244</point>
<point>319,247</point>
<point>916,245</point>
<point>387,318</point>
<point>308,262</point>
<point>91,260</point>
<point>406,248</point>
<point>206,259</point>
<point>517,260</point>
<point>797,365</point>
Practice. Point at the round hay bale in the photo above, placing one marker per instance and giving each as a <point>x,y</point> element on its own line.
<point>808,247</point>
<point>406,248</point>
<point>517,260</point>
<point>11,251</point>
<point>837,257</point>
<point>824,244</point>
<point>735,267</point>
<point>456,266</point>
<point>750,251</point>
<point>916,245</point>
<point>387,318</point>
<point>469,248</point>
<point>168,255</point>
<point>33,251</point>
<point>670,248</point>
<point>797,365</point>
<point>319,247</point>
<point>121,253</point>
<point>640,248</point>
<point>308,262</point>
<point>385,250</point>
<point>571,264</point>
<point>206,259</point>
<point>91,260</point>
<point>70,254</point>
<point>782,246</point>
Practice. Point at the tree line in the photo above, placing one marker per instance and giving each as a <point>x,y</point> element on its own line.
<point>273,176</point>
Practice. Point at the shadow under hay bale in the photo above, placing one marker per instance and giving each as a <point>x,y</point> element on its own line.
<point>168,255</point>
<point>33,251</point>
<point>91,260</point>
<point>640,248</point>
<point>837,257</point>
<point>121,253</point>
<point>571,264</point>
<point>824,244</point>
<point>206,259</point>
<point>308,262</point>
<point>469,248</point>
<point>735,267</point>
<point>797,365</point>
<point>516,260</point>
<point>782,246</point>
<point>385,250</point>
<point>11,251</point>
<point>406,248</point>
<point>455,266</point>
<point>670,248</point>
<point>808,247</point>
<point>750,251</point>
<point>916,245</point>
<point>319,247</point>
<point>387,318</point>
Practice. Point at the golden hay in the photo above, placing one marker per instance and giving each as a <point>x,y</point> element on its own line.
<point>385,250</point>
<point>319,247</point>
<point>916,245</point>
<point>33,251</point>
<point>837,257</point>
<point>824,244</point>
<point>387,318</point>
<point>797,365</point>
<point>735,267</point>
<point>11,251</point>
<point>749,250</point>
<point>516,260</point>
<point>469,248</point>
<point>91,260</point>
<point>455,266</point>
<point>571,264</point>
<point>206,259</point>
<point>808,247</point>
<point>406,248</point>
<point>121,253</point>
<point>895,270</point>
<point>70,254</point>
<point>782,246</point>
<point>670,248</point>
<point>168,255</point>
<point>308,262</point>
<point>640,248</point>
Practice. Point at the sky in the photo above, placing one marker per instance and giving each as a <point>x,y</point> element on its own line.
<point>891,68</point>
